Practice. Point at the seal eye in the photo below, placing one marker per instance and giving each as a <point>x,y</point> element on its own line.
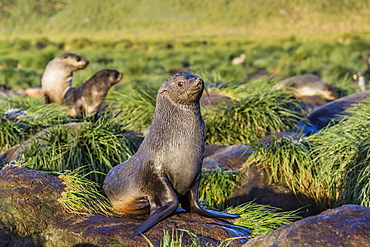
<point>180,83</point>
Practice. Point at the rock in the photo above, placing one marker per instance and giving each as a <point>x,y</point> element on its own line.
<point>329,113</point>
<point>213,98</point>
<point>211,149</point>
<point>32,216</point>
<point>348,225</point>
<point>308,85</point>
<point>228,157</point>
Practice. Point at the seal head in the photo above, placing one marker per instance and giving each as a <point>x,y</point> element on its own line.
<point>57,77</point>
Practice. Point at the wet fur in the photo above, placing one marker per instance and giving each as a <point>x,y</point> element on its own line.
<point>57,77</point>
<point>87,99</point>
<point>166,169</point>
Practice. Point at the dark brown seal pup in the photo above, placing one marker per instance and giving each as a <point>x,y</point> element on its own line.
<point>308,85</point>
<point>86,99</point>
<point>166,169</point>
<point>57,77</point>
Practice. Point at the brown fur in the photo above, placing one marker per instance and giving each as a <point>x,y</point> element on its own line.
<point>87,99</point>
<point>57,77</point>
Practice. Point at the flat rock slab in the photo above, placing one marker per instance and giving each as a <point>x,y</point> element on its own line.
<point>32,216</point>
<point>346,226</point>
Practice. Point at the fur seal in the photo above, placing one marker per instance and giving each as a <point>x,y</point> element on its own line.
<point>87,99</point>
<point>308,85</point>
<point>57,77</point>
<point>166,169</point>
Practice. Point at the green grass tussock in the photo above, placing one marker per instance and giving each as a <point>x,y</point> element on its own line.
<point>216,185</point>
<point>136,110</point>
<point>262,219</point>
<point>340,154</point>
<point>330,168</point>
<point>21,118</point>
<point>287,162</point>
<point>176,239</point>
<point>82,196</point>
<point>257,115</point>
<point>97,146</point>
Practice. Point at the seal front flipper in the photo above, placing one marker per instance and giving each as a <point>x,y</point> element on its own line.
<point>193,205</point>
<point>163,203</point>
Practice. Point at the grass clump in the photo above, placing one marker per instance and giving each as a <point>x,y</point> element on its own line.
<point>340,153</point>
<point>287,162</point>
<point>82,195</point>
<point>356,181</point>
<point>97,146</point>
<point>262,219</point>
<point>21,118</point>
<point>135,109</point>
<point>251,118</point>
<point>176,239</point>
<point>330,167</point>
<point>216,185</point>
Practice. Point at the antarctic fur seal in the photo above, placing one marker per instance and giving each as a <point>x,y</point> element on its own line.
<point>57,77</point>
<point>86,99</point>
<point>308,85</point>
<point>166,169</point>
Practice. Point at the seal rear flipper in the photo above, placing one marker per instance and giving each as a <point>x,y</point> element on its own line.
<point>193,205</point>
<point>162,204</point>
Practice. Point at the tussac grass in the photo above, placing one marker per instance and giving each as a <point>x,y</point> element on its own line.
<point>216,185</point>
<point>175,239</point>
<point>262,219</point>
<point>257,115</point>
<point>97,146</point>
<point>136,110</point>
<point>82,196</point>
<point>21,118</point>
<point>330,167</point>
<point>286,161</point>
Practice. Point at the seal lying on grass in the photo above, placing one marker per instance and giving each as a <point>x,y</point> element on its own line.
<point>86,99</point>
<point>308,85</point>
<point>166,169</point>
<point>57,77</point>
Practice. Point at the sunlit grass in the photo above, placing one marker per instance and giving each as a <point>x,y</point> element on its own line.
<point>176,239</point>
<point>97,146</point>
<point>21,118</point>
<point>136,109</point>
<point>255,116</point>
<point>287,162</point>
<point>217,184</point>
<point>262,219</point>
<point>82,196</point>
